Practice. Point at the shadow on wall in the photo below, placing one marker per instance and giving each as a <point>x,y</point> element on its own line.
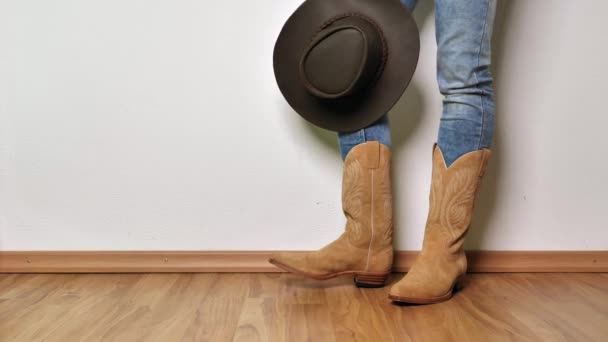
<point>489,196</point>
<point>406,115</point>
<point>405,118</point>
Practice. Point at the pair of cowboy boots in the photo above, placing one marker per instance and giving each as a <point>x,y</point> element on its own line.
<point>365,249</point>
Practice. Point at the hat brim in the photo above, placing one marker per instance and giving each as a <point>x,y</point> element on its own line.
<point>361,110</point>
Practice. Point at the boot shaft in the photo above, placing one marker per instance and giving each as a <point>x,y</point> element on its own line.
<point>452,198</point>
<point>367,199</point>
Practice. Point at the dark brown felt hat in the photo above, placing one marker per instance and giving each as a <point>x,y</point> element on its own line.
<point>342,64</point>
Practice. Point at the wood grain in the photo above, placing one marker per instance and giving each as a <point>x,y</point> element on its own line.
<point>283,307</point>
<point>256,261</point>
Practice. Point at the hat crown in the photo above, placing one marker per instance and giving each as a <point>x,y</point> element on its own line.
<point>344,57</point>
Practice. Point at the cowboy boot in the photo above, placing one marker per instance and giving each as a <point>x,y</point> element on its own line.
<point>365,248</point>
<point>442,260</point>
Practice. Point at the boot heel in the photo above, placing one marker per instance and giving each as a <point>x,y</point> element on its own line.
<point>370,280</point>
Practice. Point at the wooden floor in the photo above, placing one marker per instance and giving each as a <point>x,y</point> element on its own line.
<point>282,307</point>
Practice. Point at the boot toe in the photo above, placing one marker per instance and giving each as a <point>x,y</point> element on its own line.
<point>308,264</point>
<point>285,259</point>
<point>405,290</point>
<point>408,292</point>
<point>297,263</point>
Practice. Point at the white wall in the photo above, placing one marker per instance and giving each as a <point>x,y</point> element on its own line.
<point>157,125</point>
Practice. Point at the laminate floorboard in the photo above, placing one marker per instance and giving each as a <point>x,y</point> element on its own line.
<point>283,307</point>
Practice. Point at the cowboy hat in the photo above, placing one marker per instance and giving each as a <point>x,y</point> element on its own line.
<point>342,64</point>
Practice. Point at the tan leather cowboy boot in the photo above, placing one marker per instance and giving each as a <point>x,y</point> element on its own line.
<point>442,261</point>
<point>365,249</point>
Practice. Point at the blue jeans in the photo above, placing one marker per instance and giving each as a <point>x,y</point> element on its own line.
<point>463,33</point>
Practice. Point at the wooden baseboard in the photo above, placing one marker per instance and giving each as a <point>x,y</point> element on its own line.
<point>256,261</point>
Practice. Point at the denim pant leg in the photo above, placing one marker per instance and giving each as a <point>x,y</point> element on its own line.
<point>464,32</point>
<point>378,131</point>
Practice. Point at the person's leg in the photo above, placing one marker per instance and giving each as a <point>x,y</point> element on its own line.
<point>464,29</point>
<point>463,33</point>
<point>378,131</point>
<point>365,249</point>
